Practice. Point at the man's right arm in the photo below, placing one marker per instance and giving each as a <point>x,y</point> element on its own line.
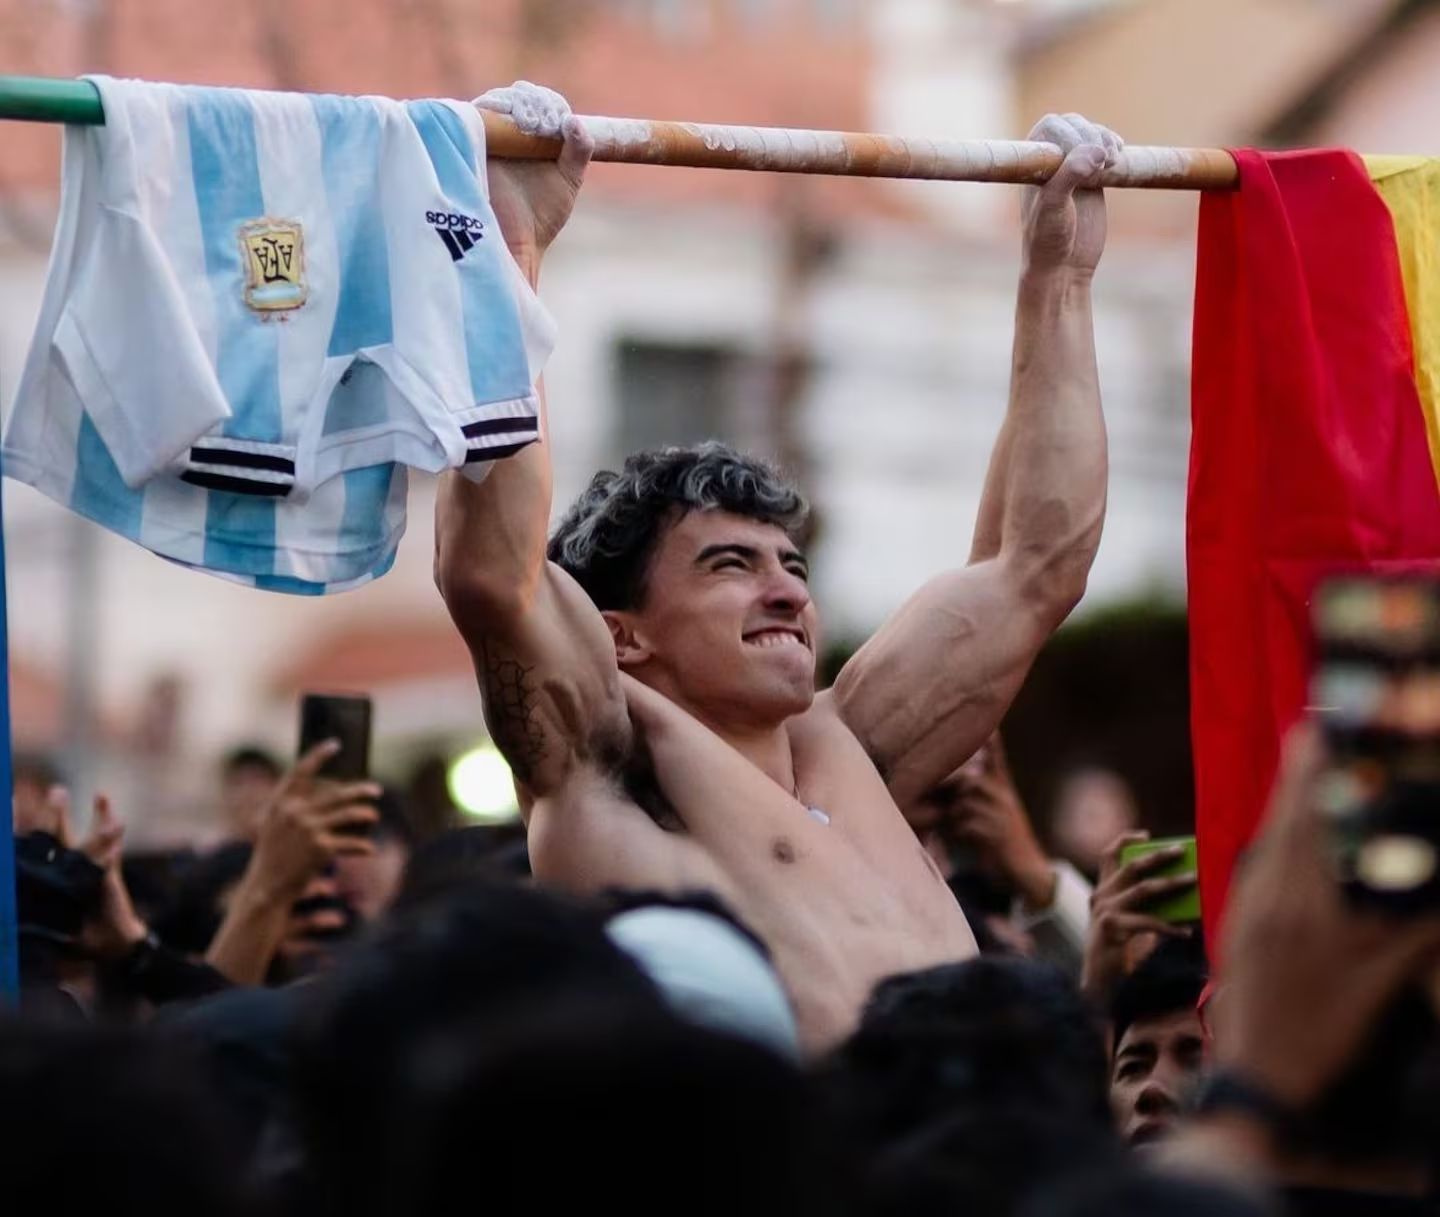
<point>542,652</point>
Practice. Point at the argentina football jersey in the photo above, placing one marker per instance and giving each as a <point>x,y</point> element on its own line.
<point>260,309</point>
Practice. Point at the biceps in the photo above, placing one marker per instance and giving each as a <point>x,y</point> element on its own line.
<point>936,679</point>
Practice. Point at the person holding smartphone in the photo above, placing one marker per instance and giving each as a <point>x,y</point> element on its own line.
<point>1126,911</point>
<point>1020,899</point>
<point>1324,1068</point>
<point>310,823</point>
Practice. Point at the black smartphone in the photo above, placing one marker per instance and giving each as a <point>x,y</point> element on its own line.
<point>345,718</point>
<point>1376,691</point>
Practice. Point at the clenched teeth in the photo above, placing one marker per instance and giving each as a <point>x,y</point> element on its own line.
<point>774,638</point>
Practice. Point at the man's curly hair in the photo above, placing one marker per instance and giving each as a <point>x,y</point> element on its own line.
<point>609,535</point>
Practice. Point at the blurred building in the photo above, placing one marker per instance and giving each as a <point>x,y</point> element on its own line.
<point>859,330</point>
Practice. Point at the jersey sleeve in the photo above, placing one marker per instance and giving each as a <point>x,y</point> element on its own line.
<point>132,351</point>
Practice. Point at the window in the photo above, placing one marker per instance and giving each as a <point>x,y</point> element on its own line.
<point>673,393</point>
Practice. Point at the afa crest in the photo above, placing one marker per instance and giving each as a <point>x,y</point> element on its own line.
<point>274,254</point>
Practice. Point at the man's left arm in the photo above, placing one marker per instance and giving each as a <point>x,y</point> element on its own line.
<point>935,680</point>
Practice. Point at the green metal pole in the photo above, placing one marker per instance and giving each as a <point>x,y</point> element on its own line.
<point>48,99</point>
<point>45,100</point>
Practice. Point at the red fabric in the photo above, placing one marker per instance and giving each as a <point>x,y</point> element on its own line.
<point>1308,455</point>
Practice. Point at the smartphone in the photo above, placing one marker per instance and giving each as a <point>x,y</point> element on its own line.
<point>345,718</point>
<point>1375,688</point>
<point>1179,908</point>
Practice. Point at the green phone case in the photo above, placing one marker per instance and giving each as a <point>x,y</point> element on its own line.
<point>1184,906</point>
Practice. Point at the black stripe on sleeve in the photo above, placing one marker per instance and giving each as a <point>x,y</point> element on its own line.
<point>499,426</point>
<point>218,481</point>
<point>242,460</point>
<point>499,452</point>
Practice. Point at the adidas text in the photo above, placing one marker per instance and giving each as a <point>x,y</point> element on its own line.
<point>453,220</point>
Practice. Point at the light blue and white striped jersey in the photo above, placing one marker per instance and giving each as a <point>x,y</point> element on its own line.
<point>260,308</point>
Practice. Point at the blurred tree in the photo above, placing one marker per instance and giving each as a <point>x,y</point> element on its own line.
<point>1113,691</point>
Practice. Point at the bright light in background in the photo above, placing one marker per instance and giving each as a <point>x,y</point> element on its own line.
<point>481,785</point>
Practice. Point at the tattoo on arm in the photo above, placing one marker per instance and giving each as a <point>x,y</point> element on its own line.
<point>511,712</point>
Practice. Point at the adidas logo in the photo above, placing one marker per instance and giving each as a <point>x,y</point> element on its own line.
<point>459,232</point>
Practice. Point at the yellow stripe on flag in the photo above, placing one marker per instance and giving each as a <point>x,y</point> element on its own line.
<point>1410,186</point>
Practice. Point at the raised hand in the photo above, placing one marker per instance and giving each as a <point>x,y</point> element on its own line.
<point>533,199</point>
<point>1117,910</point>
<point>50,814</point>
<point>302,832</point>
<point>305,826</point>
<point>985,810</point>
<point>1304,972</point>
<point>118,926</point>
<point>1064,220</point>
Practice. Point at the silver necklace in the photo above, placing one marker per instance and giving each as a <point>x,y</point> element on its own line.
<point>815,813</point>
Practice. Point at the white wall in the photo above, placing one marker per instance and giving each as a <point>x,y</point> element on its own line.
<point>912,335</point>
<point>942,70</point>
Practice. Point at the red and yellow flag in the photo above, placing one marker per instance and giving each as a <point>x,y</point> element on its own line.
<point>1316,445</point>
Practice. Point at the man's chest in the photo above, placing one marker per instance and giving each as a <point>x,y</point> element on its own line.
<point>835,838</point>
<point>839,785</point>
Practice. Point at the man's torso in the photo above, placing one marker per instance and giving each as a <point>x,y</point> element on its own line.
<point>844,897</point>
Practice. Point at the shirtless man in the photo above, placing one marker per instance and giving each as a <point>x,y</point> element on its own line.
<point>668,639</point>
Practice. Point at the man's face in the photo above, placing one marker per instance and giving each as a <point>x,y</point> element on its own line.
<point>244,793</point>
<point>1155,1061</point>
<point>369,883</point>
<point>727,627</point>
<point>1092,809</point>
<point>29,808</point>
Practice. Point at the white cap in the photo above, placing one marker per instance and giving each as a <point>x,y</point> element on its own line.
<point>710,973</point>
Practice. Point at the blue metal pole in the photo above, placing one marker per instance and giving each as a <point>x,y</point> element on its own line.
<point>71,101</point>
<point>43,100</point>
<point>9,924</point>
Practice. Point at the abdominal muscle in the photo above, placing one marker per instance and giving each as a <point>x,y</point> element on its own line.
<point>843,904</point>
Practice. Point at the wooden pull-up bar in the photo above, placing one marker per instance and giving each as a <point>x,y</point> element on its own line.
<point>776,149</point>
